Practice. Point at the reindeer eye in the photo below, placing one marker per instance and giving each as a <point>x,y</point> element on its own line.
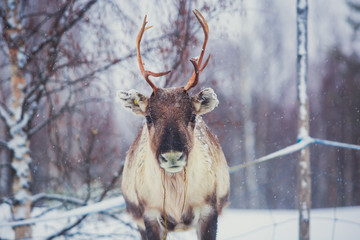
<point>193,118</point>
<point>148,119</point>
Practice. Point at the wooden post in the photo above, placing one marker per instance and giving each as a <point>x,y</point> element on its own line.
<point>304,183</point>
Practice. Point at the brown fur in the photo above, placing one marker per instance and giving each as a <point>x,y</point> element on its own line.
<point>193,198</point>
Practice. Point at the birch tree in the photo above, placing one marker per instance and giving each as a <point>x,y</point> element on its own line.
<point>40,47</point>
<point>48,71</point>
<point>303,121</point>
<point>15,117</point>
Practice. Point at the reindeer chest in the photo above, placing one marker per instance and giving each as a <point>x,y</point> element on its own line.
<point>179,207</point>
<point>182,197</point>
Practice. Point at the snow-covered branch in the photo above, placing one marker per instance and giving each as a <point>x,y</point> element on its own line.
<point>114,203</point>
<point>23,121</point>
<point>303,143</point>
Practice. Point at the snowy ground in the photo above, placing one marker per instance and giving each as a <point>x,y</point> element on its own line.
<point>338,223</point>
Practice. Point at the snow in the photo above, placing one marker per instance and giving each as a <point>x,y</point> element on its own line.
<point>302,38</point>
<point>21,118</point>
<point>302,50</point>
<point>5,216</point>
<point>11,22</point>
<point>303,132</point>
<point>304,211</point>
<point>303,184</point>
<point>20,196</point>
<point>336,223</point>
<point>20,210</point>
<point>302,81</point>
<point>283,224</point>
<point>302,66</point>
<point>22,58</point>
<point>336,144</point>
<point>303,165</point>
<point>92,208</point>
<point>4,114</point>
<point>301,4</point>
<point>18,145</point>
<point>16,111</point>
<point>11,4</point>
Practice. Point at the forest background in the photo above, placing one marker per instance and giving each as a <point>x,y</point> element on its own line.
<point>64,135</point>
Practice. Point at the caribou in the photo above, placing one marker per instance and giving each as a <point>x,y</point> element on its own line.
<point>175,174</point>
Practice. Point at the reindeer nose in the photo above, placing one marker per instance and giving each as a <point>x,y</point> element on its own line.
<point>172,161</point>
<point>171,157</point>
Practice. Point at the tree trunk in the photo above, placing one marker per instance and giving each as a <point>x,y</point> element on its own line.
<point>303,122</point>
<point>249,142</point>
<point>18,119</point>
<point>5,169</point>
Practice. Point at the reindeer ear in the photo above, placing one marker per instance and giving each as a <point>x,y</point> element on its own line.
<point>134,100</point>
<point>205,101</point>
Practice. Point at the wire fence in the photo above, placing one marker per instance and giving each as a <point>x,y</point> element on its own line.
<point>301,144</point>
<point>332,227</point>
<point>336,225</point>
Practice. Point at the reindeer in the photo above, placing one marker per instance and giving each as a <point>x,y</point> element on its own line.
<point>175,175</point>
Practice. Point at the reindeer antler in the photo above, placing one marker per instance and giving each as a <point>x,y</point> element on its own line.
<point>193,81</point>
<point>144,72</point>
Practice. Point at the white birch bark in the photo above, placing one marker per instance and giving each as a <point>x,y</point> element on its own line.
<point>17,119</point>
<point>304,183</point>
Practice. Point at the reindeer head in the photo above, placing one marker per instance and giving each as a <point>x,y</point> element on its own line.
<point>170,113</point>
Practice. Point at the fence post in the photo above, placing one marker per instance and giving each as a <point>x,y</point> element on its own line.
<point>304,181</point>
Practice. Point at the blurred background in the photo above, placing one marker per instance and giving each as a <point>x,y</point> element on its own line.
<point>75,56</point>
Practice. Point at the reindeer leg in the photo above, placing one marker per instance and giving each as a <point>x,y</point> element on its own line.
<point>152,229</point>
<point>142,232</point>
<point>207,227</point>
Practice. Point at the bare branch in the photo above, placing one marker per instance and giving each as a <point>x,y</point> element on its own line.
<point>4,19</point>
<point>36,14</point>
<point>120,220</point>
<point>65,108</point>
<point>112,183</point>
<point>86,156</point>
<point>65,27</point>
<point>4,144</point>
<point>67,228</point>
<point>92,73</point>
<point>55,197</point>
<point>5,115</point>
